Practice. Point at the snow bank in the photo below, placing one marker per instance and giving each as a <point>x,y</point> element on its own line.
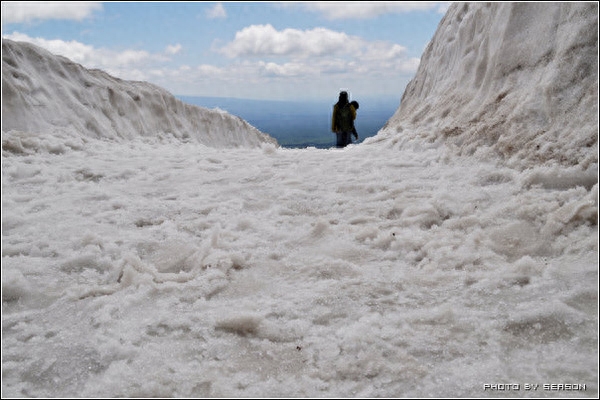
<point>518,81</point>
<point>52,103</point>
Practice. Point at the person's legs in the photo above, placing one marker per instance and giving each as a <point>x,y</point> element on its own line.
<point>341,139</point>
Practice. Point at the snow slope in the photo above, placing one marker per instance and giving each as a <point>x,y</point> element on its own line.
<point>47,97</point>
<point>518,81</point>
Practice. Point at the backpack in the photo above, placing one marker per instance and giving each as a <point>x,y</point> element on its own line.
<point>344,121</point>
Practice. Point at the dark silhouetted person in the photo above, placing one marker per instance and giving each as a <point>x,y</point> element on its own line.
<point>342,120</point>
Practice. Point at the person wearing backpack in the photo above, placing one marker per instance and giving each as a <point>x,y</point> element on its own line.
<point>342,120</point>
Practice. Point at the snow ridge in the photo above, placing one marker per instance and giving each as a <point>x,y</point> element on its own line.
<point>518,81</point>
<point>43,93</point>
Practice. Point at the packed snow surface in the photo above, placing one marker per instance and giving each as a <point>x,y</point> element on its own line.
<point>162,265</point>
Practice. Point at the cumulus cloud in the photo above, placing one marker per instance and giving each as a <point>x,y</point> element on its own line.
<point>27,11</point>
<point>91,57</point>
<point>370,9</point>
<point>264,60</point>
<point>209,70</point>
<point>382,51</point>
<point>285,70</point>
<point>76,51</point>
<point>264,40</point>
<point>173,49</point>
<point>317,58</point>
<point>311,49</point>
<point>216,12</point>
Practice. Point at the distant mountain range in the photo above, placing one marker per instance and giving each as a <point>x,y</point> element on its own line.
<point>300,123</point>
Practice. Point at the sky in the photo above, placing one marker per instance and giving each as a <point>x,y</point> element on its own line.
<point>256,50</point>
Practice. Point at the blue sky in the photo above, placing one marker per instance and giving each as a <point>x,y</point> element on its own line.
<point>257,50</point>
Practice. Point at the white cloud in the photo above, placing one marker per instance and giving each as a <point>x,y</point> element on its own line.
<point>382,51</point>
<point>26,11</point>
<point>173,49</point>
<point>91,57</point>
<point>318,61</point>
<point>209,70</point>
<point>317,78</point>
<point>285,70</point>
<point>75,51</point>
<point>264,40</point>
<point>128,57</point>
<point>314,51</point>
<point>217,12</point>
<point>370,9</point>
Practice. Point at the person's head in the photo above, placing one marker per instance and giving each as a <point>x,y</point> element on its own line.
<point>343,97</point>
<point>354,104</point>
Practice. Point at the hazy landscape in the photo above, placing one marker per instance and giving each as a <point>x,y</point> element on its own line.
<point>302,123</point>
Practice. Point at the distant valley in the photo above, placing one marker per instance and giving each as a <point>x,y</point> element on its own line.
<point>299,124</point>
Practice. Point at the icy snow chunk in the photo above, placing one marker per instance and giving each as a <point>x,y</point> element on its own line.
<point>244,324</point>
<point>561,178</point>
